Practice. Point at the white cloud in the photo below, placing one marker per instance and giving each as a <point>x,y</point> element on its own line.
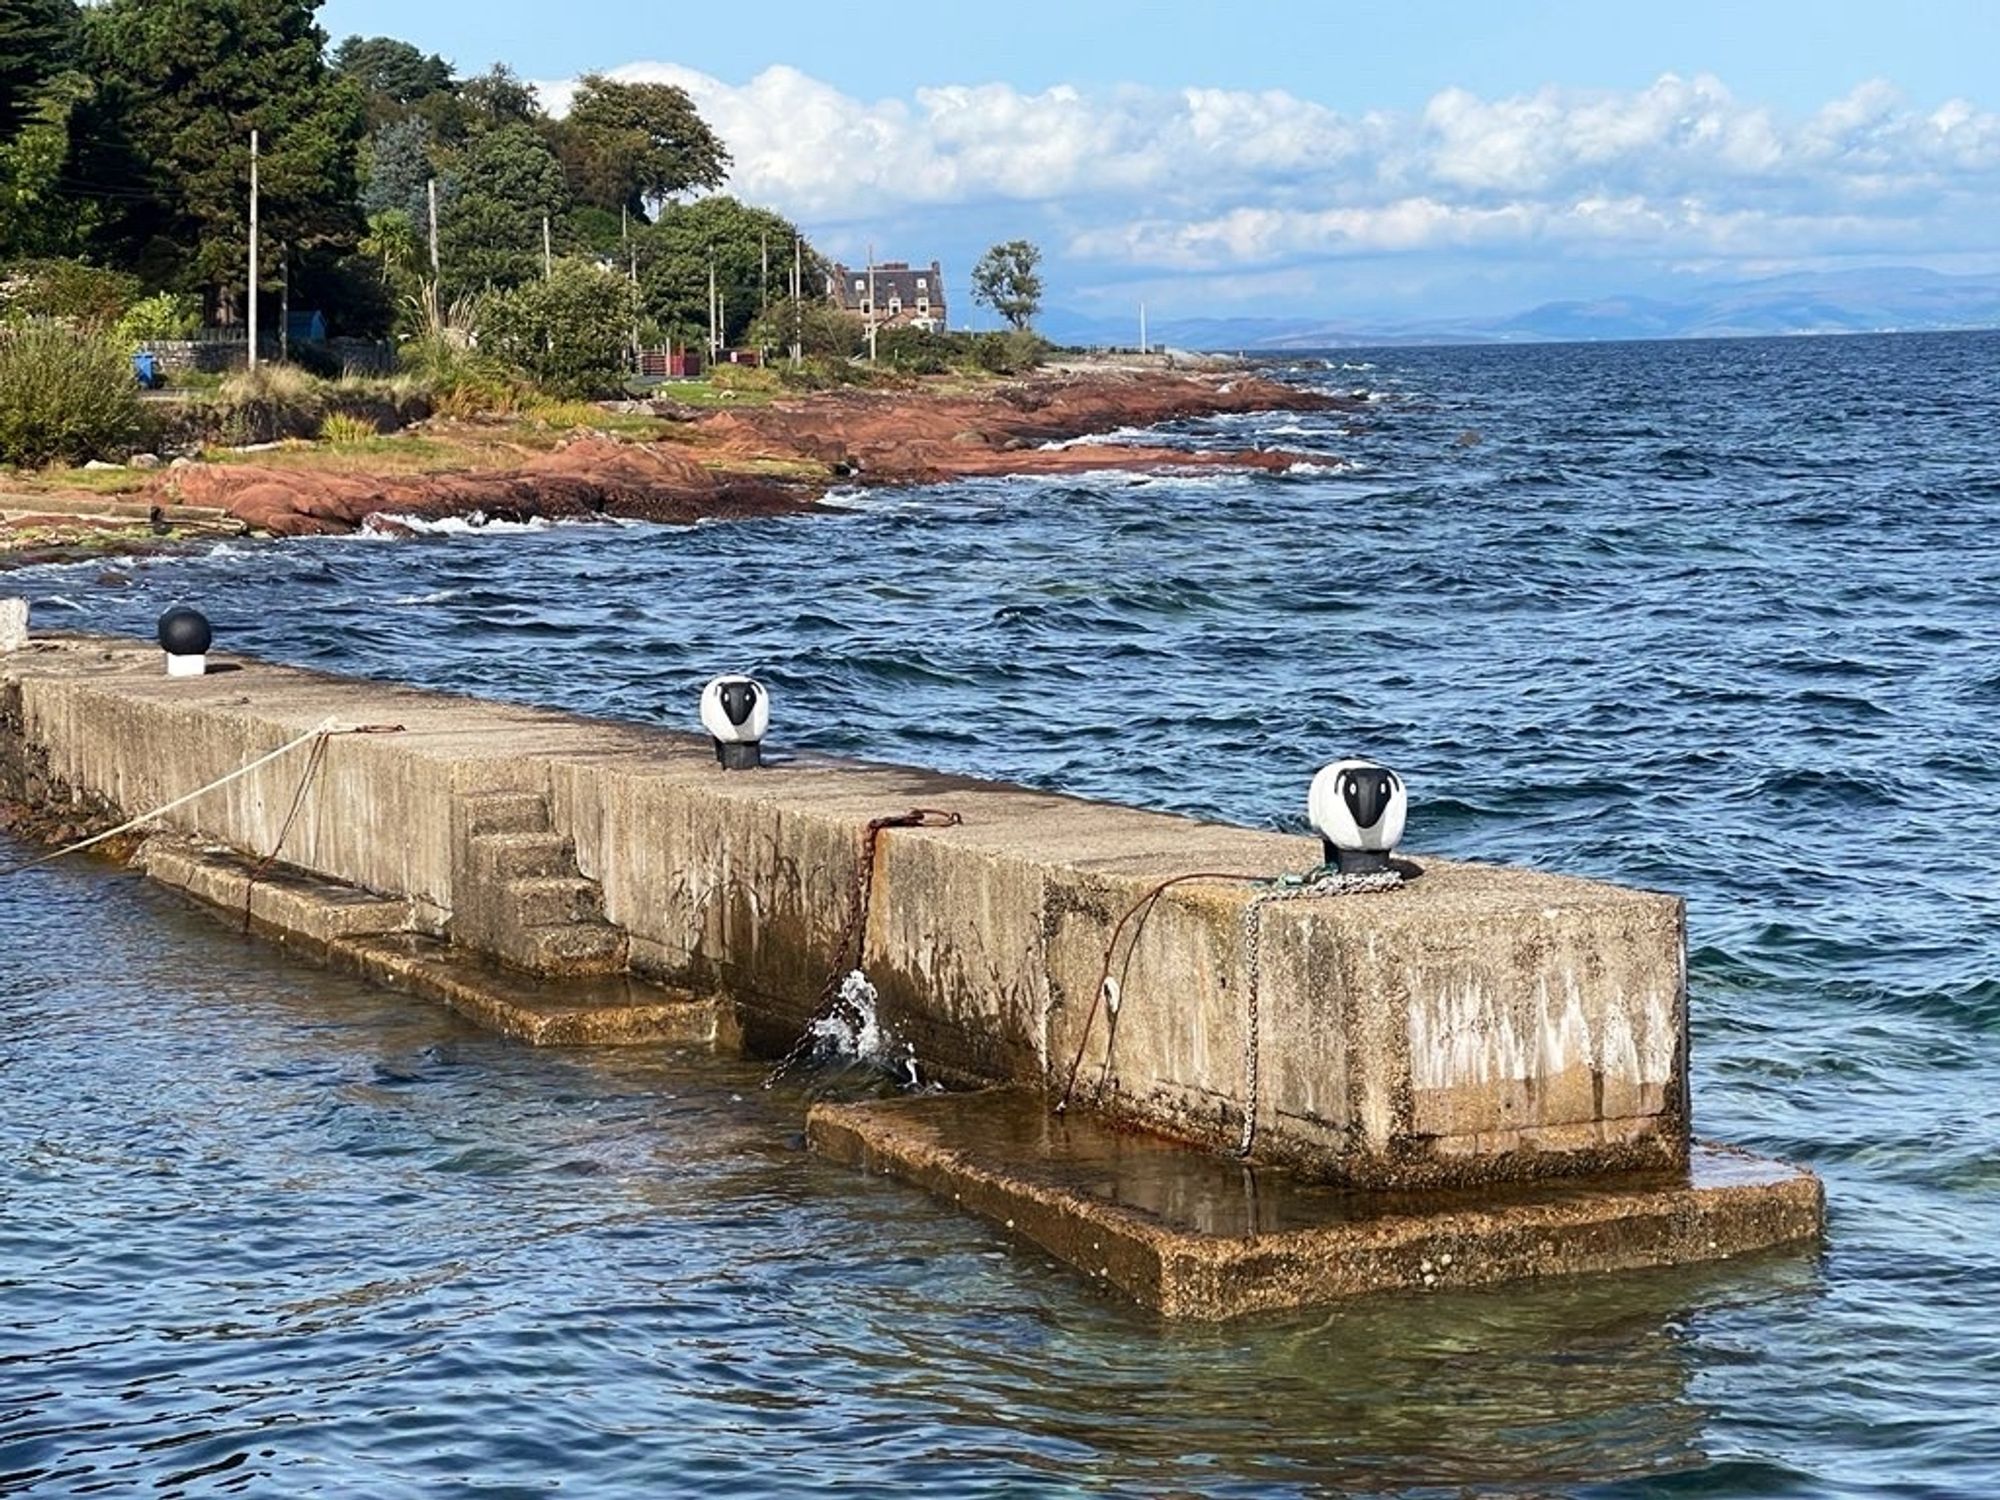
<point>1217,180</point>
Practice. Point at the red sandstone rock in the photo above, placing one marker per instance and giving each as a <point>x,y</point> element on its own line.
<point>879,437</point>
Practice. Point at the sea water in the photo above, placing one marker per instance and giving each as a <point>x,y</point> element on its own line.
<point>1716,618</point>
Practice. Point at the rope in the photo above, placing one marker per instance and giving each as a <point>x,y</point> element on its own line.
<point>319,732</point>
<point>853,937</point>
<point>1111,948</point>
<point>313,762</point>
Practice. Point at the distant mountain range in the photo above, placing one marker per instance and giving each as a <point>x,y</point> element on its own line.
<point>1892,299</point>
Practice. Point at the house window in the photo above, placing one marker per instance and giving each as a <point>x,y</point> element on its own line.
<point>895,303</point>
<point>857,283</point>
<point>923,284</point>
<point>868,307</point>
<point>923,304</point>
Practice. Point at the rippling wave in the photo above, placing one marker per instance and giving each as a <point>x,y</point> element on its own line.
<point>1715,618</point>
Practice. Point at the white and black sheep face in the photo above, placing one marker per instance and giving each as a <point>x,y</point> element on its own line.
<point>1358,805</point>
<point>735,710</point>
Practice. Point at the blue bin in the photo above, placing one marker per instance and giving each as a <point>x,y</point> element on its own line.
<point>146,370</point>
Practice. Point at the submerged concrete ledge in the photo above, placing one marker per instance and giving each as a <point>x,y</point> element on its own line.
<point>1195,1236</point>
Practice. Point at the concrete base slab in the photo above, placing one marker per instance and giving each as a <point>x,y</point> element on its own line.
<point>613,1010</point>
<point>296,909</point>
<point>1196,1235</point>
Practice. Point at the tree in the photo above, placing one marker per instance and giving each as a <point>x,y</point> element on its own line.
<point>498,97</point>
<point>392,72</point>
<point>188,80</point>
<point>820,328</point>
<point>676,253</point>
<point>37,42</point>
<point>1005,281</point>
<point>570,332</point>
<point>393,250</point>
<point>397,165</point>
<point>505,181</point>
<point>627,145</point>
<point>38,216</point>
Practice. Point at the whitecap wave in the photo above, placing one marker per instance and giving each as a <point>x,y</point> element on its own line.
<point>387,523</point>
<point>1117,437</point>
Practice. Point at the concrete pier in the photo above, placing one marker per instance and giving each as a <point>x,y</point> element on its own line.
<point>1479,1025</point>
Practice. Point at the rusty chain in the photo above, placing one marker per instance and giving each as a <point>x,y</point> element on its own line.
<point>853,938</point>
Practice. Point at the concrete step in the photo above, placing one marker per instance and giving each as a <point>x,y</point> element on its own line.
<point>506,812</point>
<point>593,1011</point>
<point>568,948</point>
<point>289,905</point>
<point>517,856</point>
<point>546,900</point>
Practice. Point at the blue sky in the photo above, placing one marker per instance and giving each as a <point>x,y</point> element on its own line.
<point>1358,160</point>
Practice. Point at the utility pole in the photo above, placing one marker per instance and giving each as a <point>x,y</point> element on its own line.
<point>548,260</point>
<point>1142,328</point>
<point>434,228</point>
<point>871,302</point>
<point>763,271</point>
<point>253,249</point>
<point>714,331</point>
<point>285,305</point>
<point>798,302</point>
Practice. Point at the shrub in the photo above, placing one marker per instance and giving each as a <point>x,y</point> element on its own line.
<point>915,351</point>
<point>66,289</point>
<point>821,328</point>
<point>463,382</point>
<point>1013,353</point>
<point>566,415</point>
<point>821,373</point>
<point>162,316</point>
<point>344,429</point>
<point>569,333</point>
<point>743,378</point>
<point>65,393</point>
<point>269,403</point>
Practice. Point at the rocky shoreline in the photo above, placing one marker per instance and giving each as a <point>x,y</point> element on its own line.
<point>764,460</point>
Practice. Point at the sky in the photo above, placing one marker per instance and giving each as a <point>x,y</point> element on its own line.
<point>1360,162</point>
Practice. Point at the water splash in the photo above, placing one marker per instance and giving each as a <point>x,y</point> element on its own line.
<point>852,1032</point>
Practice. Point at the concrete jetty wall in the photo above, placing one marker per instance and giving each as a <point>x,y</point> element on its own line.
<point>1481,1023</point>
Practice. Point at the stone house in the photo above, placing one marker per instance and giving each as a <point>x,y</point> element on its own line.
<point>903,296</point>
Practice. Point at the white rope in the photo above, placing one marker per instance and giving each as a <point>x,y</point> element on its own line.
<point>330,726</point>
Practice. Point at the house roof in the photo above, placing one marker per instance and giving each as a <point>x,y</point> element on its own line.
<point>895,281</point>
